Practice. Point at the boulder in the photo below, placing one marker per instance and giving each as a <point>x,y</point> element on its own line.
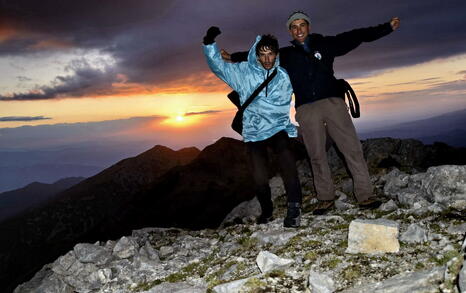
<point>267,261</point>
<point>90,253</point>
<point>446,185</point>
<point>414,234</point>
<point>373,236</point>
<point>416,282</point>
<point>321,283</point>
<point>126,247</point>
<point>274,237</point>
<point>231,287</point>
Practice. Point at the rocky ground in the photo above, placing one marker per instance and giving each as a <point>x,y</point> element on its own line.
<point>420,246</point>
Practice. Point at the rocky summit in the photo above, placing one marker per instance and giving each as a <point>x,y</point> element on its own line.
<point>414,242</point>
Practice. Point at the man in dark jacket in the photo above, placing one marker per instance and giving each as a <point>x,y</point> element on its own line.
<point>320,106</point>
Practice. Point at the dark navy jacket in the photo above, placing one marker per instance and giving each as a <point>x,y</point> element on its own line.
<point>311,74</point>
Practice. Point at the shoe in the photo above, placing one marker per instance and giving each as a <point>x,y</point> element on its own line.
<point>370,203</point>
<point>323,206</point>
<point>293,215</point>
<point>266,212</point>
<point>264,218</point>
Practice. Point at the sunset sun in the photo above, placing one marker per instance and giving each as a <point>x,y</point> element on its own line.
<point>179,120</point>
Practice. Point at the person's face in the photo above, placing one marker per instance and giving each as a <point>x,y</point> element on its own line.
<point>267,58</point>
<point>299,30</point>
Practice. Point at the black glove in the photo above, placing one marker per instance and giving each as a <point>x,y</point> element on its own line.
<point>211,34</point>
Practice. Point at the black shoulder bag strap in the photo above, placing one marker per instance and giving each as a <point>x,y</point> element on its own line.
<point>352,99</point>
<point>237,123</point>
<point>258,90</point>
<point>234,97</point>
<point>347,89</point>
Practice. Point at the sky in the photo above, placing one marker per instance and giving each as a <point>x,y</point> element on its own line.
<point>133,70</point>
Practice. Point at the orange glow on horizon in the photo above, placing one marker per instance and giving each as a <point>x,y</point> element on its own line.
<point>185,105</point>
<point>7,33</point>
<point>199,83</point>
<point>52,44</point>
<point>180,121</point>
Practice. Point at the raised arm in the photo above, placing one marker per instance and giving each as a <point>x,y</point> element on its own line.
<point>234,57</point>
<point>228,72</point>
<point>347,41</point>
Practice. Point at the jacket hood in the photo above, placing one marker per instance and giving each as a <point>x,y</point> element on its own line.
<point>252,57</point>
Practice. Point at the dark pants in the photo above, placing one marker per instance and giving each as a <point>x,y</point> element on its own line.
<point>280,145</point>
<point>331,115</point>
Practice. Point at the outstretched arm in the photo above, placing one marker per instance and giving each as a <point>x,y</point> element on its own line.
<point>347,41</point>
<point>228,72</point>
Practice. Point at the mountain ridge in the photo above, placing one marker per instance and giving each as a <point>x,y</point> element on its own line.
<point>161,187</point>
<point>35,193</point>
<point>448,128</point>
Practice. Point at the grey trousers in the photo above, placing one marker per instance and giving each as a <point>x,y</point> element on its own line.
<point>331,114</point>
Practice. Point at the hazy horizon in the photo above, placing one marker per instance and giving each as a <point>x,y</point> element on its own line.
<point>137,129</point>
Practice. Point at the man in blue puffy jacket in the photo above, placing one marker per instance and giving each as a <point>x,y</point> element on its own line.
<point>266,121</point>
<point>320,106</point>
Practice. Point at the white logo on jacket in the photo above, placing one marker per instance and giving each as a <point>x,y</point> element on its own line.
<point>317,55</point>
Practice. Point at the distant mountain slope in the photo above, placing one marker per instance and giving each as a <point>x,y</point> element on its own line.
<point>13,177</point>
<point>455,137</point>
<point>16,201</point>
<point>47,165</point>
<point>33,238</point>
<point>449,128</point>
<point>165,188</point>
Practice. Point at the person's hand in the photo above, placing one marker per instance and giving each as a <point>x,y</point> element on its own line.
<point>211,34</point>
<point>395,23</point>
<point>225,56</point>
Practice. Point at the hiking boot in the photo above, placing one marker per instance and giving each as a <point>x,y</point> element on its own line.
<point>323,206</point>
<point>370,203</point>
<point>293,215</point>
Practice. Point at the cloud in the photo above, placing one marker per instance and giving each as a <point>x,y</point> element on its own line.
<point>202,113</point>
<point>85,24</point>
<point>202,82</point>
<point>439,92</point>
<point>85,80</point>
<point>430,80</point>
<point>121,131</point>
<point>158,43</point>
<point>23,78</point>
<point>463,73</point>
<point>23,118</point>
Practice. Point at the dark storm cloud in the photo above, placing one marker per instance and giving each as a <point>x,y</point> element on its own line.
<point>85,23</point>
<point>159,42</point>
<point>22,118</point>
<point>84,80</point>
<point>17,46</point>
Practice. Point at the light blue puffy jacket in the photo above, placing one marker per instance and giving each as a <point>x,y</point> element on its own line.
<point>269,113</point>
